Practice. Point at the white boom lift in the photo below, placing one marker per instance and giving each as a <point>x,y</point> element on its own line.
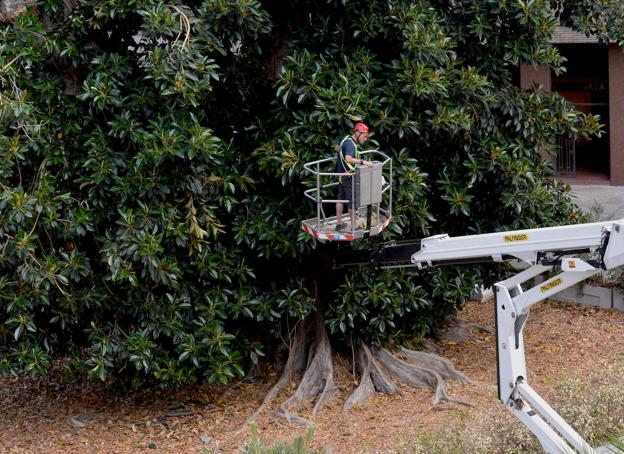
<point>601,246</point>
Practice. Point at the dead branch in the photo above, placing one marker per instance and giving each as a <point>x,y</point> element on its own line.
<point>187,25</point>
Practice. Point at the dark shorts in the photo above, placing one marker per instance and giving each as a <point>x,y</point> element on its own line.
<point>344,190</point>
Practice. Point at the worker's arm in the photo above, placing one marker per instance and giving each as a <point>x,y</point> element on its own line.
<point>353,161</point>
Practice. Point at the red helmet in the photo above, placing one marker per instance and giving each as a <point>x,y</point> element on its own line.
<point>360,127</point>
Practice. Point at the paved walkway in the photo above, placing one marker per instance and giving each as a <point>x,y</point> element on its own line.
<point>604,203</point>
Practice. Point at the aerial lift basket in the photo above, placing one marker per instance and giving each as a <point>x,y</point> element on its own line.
<point>371,194</point>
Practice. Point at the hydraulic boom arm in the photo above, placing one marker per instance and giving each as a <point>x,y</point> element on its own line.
<point>541,250</point>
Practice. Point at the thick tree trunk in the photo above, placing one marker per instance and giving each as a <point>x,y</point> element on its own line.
<point>11,8</point>
<point>317,380</point>
<point>310,353</point>
<point>295,365</point>
<point>376,367</point>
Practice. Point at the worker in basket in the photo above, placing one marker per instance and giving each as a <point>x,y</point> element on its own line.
<point>346,162</point>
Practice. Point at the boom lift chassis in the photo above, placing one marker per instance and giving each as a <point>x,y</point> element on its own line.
<point>602,246</point>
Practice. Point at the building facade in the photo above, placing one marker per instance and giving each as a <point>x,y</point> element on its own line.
<point>593,83</point>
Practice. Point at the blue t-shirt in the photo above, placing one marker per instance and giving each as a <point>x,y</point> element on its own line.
<point>348,149</point>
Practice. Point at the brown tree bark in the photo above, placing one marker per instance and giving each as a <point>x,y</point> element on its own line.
<point>11,8</point>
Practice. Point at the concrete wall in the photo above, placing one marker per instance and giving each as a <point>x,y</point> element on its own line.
<point>616,114</point>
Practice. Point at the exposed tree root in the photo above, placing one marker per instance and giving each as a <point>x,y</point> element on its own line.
<point>441,365</point>
<point>431,346</point>
<point>459,332</point>
<point>372,380</point>
<point>294,365</point>
<point>317,380</point>
<point>419,369</point>
<point>417,376</point>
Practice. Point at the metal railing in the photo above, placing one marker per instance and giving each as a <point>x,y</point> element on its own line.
<point>318,169</point>
<point>565,160</point>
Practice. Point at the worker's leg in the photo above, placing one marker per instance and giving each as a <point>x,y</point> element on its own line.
<point>344,193</point>
<point>339,210</point>
<point>352,211</point>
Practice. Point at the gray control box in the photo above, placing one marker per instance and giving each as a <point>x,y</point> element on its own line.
<point>368,185</point>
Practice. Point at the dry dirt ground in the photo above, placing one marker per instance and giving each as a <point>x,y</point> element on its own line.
<point>37,417</point>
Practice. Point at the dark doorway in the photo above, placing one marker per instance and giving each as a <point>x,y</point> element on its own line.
<point>586,85</point>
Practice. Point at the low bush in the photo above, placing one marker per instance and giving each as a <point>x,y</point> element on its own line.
<point>593,405</point>
<point>300,445</point>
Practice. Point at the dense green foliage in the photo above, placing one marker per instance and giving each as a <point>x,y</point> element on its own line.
<point>603,19</point>
<point>151,162</point>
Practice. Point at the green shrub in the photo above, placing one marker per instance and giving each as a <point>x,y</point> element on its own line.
<point>593,405</point>
<point>300,445</point>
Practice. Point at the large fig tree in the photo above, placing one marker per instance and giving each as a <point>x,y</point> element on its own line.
<point>151,173</point>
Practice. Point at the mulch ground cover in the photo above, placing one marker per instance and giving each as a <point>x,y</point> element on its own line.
<point>49,415</point>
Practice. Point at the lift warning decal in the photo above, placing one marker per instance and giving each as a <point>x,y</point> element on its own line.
<point>517,237</point>
<point>550,285</point>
